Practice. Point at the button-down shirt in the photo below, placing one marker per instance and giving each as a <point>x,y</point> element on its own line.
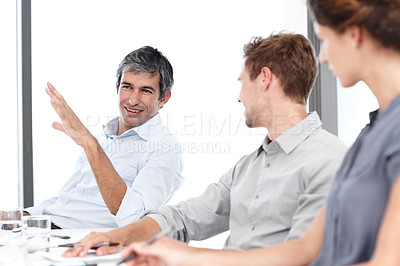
<point>269,196</point>
<point>148,159</point>
<point>357,201</point>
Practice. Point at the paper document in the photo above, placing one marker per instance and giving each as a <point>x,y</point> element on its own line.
<point>90,257</point>
<point>75,235</point>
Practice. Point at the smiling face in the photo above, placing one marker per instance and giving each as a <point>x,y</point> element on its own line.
<point>249,97</point>
<point>138,96</point>
<point>338,50</point>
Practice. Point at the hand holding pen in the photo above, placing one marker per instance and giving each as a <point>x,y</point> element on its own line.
<point>164,251</point>
<point>94,240</point>
<point>148,242</point>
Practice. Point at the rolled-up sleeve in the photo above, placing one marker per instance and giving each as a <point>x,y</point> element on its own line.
<point>157,179</point>
<point>198,218</point>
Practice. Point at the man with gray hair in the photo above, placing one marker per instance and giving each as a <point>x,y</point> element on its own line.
<point>132,166</point>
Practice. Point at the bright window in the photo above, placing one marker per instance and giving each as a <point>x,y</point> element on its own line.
<point>8,105</point>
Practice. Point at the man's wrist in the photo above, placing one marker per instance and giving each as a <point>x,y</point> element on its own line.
<point>91,143</point>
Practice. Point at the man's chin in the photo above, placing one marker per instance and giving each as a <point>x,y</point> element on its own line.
<point>250,124</point>
<point>131,123</point>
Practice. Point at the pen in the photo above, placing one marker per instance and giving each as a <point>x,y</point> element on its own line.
<point>148,242</point>
<point>61,236</point>
<point>96,246</point>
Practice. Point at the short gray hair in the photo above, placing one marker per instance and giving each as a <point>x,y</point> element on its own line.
<point>149,60</point>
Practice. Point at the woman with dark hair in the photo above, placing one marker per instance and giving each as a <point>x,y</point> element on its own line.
<point>360,39</point>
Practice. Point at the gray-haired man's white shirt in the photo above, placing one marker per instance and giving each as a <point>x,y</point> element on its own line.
<point>269,196</point>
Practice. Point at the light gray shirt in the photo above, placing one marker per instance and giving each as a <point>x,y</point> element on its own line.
<point>269,196</point>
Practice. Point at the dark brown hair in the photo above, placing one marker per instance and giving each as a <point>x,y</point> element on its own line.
<point>381,18</point>
<point>290,57</point>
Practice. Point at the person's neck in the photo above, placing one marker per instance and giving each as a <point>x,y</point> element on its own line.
<point>382,77</point>
<point>283,119</point>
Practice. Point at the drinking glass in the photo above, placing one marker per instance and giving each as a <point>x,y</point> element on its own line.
<point>37,232</point>
<point>10,220</point>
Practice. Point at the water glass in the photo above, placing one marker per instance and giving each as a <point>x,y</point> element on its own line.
<point>37,232</point>
<point>10,220</point>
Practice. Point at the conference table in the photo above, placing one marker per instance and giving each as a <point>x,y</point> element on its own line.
<point>15,253</point>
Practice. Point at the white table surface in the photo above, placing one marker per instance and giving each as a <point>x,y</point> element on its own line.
<point>16,254</point>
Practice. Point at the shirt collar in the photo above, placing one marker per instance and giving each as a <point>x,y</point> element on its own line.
<point>373,116</point>
<point>290,139</point>
<point>146,131</point>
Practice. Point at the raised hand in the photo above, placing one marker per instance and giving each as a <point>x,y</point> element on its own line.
<point>70,123</point>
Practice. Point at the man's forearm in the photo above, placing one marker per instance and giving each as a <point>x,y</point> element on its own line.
<point>111,185</point>
<point>141,230</point>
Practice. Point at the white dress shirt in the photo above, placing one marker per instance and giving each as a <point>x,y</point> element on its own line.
<point>148,159</point>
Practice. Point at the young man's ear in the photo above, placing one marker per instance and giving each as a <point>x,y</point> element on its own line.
<point>266,77</point>
<point>164,99</point>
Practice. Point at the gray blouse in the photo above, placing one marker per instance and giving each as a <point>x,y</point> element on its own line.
<point>359,194</point>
